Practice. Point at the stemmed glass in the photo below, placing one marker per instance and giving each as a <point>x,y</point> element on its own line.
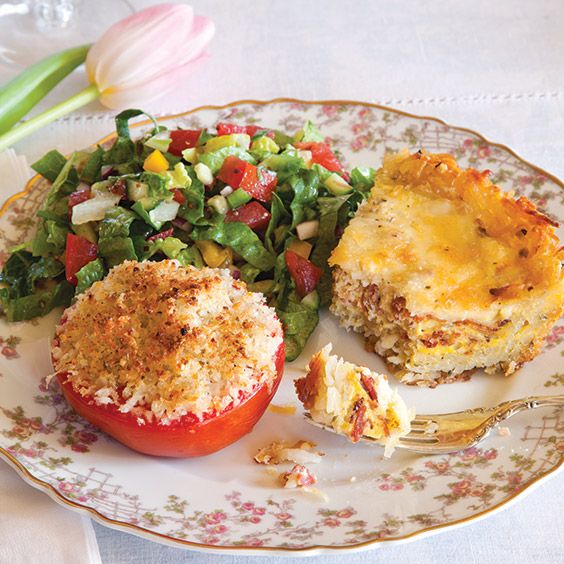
<point>33,29</point>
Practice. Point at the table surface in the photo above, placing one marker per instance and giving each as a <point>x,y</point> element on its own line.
<point>496,68</point>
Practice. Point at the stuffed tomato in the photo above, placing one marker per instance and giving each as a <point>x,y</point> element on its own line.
<point>169,360</point>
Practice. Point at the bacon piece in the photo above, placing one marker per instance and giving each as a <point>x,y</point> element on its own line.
<point>368,384</point>
<point>358,419</point>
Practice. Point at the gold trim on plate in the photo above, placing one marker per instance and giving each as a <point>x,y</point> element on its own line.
<point>147,533</point>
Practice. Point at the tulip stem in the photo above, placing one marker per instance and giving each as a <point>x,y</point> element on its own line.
<point>74,102</point>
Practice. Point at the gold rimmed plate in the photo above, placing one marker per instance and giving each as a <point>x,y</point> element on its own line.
<point>226,502</point>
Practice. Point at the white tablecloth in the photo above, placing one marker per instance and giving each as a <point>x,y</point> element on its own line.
<point>495,67</point>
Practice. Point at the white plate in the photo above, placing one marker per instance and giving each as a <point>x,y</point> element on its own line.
<point>226,502</point>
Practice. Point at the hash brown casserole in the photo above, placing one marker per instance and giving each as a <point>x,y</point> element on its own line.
<point>444,273</point>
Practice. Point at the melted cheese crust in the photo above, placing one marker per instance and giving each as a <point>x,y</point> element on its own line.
<point>450,242</point>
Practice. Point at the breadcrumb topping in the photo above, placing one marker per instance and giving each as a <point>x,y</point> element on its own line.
<point>161,341</point>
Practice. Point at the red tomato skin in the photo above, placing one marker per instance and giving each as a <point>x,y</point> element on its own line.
<point>230,128</point>
<point>78,253</point>
<point>260,188</point>
<point>232,171</point>
<point>178,196</point>
<point>186,437</point>
<point>322,154</point>
<point>183,139</point>
<point>78,197</point>
<point>304,273</point>
<point>252,214</point>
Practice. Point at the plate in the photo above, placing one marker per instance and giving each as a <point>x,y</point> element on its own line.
<point>226,502</point>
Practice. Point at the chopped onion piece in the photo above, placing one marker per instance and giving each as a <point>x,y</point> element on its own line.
<point>307,229</point>
<point>204,174</point>
<point>226,191</point>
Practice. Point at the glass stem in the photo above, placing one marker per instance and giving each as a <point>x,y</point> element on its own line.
<point>27,127</point>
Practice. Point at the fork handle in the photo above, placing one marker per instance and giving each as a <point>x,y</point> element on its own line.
<point>514,406</point>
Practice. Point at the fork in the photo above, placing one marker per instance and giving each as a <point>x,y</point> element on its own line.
<point>452,432</point>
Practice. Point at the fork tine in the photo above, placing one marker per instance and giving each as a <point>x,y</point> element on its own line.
<point>418,440</point>
<point>424,419</point>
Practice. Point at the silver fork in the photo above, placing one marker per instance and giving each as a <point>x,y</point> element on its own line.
<point>451,432</point>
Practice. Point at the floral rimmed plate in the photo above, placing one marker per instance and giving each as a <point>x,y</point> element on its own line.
<point>226,502</point>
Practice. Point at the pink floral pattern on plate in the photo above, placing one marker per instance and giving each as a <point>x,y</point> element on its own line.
<point>226,501</point>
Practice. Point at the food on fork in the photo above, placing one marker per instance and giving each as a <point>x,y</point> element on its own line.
<point>444,273</point>
<point>353,400</point>
<point>169,360</point>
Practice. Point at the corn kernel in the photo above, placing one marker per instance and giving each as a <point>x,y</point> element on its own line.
<point>155,162</point>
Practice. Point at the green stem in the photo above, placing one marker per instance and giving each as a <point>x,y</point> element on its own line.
<point>74,102</point>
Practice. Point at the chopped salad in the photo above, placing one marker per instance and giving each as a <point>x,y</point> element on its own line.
<point>268,206</point>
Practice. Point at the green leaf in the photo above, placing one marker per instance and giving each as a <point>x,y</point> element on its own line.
<point>284,164</point>
<point>193,209</point>
<point>278,213</point>
<point>310,133</point>
<point>170,247</point>
<point>44,268</point>
<point>249,272</point>
<point>116,223</point>
<point>123,149</point>
<point>362,178</point>
<point>50,165</point>
<point>23,92</point>
<point>158,185</point>
<point>38,304</point>
<point>242,239</point>
<point>190,256</point>
<point>14,273</point>
<point>92,171</point>
<point>88,274</point>
<point>116,250</point>
<point>305,186</point>
<point>299,322</point>
<point>65,183</point>
<point>326,240</point>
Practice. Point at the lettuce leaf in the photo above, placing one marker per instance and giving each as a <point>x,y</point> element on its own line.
<point>362,178</point>
<point>88,274</point>
<point>242,239</point>
<point>50,165</point>
<point>170,247</point>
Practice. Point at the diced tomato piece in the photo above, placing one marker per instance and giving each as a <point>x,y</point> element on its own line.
<point>252,214</point>
<point>321,154</point>
<point>304,273</point>
<point>259,183</point>
<point>183,139</point>
<point>78,253</point>
<point>240,174</point>
<point>178,196</point>
<point>232,171</point>
<point>78,197</point>
<point>230,128</point>
<point>162,235</point>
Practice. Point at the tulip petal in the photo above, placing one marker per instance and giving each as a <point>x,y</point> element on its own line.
<point>119,99</point>
<point>141,57</point>
<point>120,50</point>
<point>151,67</point>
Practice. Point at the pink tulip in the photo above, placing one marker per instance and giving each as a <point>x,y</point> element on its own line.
<point>136,60</point>
<point>143,56</point>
